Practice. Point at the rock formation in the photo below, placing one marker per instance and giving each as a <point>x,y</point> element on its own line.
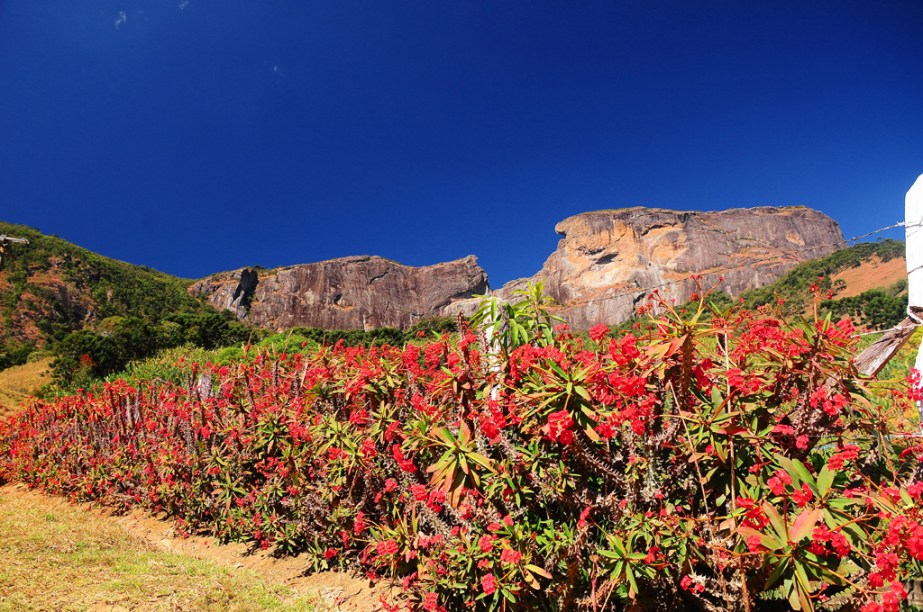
<point>348,293</point>
<point>607,261</point>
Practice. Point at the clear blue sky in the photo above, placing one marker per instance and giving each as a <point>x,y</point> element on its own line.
<point>196,136</point>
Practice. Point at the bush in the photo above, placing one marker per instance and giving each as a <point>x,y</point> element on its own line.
<point>876,308</point>
<point>705,465</point>
<point>85,356</point>
<point>14,353</point>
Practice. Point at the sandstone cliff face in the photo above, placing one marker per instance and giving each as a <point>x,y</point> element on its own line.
<point>348,293</point>
<point>607,259</point>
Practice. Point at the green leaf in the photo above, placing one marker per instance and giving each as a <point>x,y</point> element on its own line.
<point>716,398</point>
<point>561,373</point>
<point>776,520</point>
<point>794,598</point>
<point>766,540</point>
<point>481,460</point>
<point>631,580</point>
<point>582,392</point>
<point>618,545</point>
<point>443,434</point>
<point>778,571</point>
<point>796,470</point>
<point>463,463</point>
<point>803,587</point>
<point>824,481</point>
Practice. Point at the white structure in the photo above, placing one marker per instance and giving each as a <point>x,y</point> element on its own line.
<point>913,226</point>
<point>913,220</point>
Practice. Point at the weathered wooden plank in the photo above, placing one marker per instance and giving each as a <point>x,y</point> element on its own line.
<point>870,361</point>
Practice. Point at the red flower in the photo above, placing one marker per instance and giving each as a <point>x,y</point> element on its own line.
<point>778,482</point>
<point>510,556</point>
<point>581,522</point>
<point>489,584</point>
<point>359,524</point>
<point>558,427</point>
<point>803,496</point>
<point>599,332</point>
<point>387,547</point>
<point>430,602</point>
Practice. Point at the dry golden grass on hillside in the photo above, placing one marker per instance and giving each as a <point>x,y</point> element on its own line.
<point>18,382</point>
<point>872,274</point>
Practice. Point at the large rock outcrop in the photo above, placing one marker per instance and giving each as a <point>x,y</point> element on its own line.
<point>348,293</point>
<point>608,261</point>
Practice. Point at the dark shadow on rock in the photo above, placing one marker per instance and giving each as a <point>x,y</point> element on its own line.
<point>246,288</point>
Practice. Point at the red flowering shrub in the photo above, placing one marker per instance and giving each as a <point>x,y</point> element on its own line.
<point>705,465</point>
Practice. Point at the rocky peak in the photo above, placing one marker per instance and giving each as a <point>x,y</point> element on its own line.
<point>358,292</point>
<point>607,261</point>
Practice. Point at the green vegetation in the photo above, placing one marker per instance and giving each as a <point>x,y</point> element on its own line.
<point>138,313</point>
<point>794,289</point>
<point>117,288</point>
<point>131,349</point>
<point>731,462</point>
<point>58,287</point>
<point>86,355</point>
<point>13,352</point>
<point>877,308</point>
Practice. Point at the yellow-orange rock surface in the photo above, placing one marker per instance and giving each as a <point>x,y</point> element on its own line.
<point>608,262</point>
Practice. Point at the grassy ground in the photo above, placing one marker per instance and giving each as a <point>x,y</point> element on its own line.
<point>18,382</point>
<point>55,556</point>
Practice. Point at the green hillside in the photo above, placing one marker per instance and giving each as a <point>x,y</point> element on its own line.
<point>56,295</point>
<point>881,306</point>
<point>116,288</point>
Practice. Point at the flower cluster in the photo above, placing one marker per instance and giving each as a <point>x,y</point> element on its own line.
<point>695,464</point>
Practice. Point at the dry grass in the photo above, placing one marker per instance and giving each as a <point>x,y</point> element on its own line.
<point>56,556</point>
<point>18,382</point>
<point>872,274</point>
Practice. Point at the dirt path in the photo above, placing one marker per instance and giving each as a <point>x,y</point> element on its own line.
<point>328,591</point>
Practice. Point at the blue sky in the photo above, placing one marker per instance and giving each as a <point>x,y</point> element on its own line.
<point>196,136</point>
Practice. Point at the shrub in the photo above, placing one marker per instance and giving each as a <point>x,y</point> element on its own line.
<point>705,465</point>
<point>85,356</point>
